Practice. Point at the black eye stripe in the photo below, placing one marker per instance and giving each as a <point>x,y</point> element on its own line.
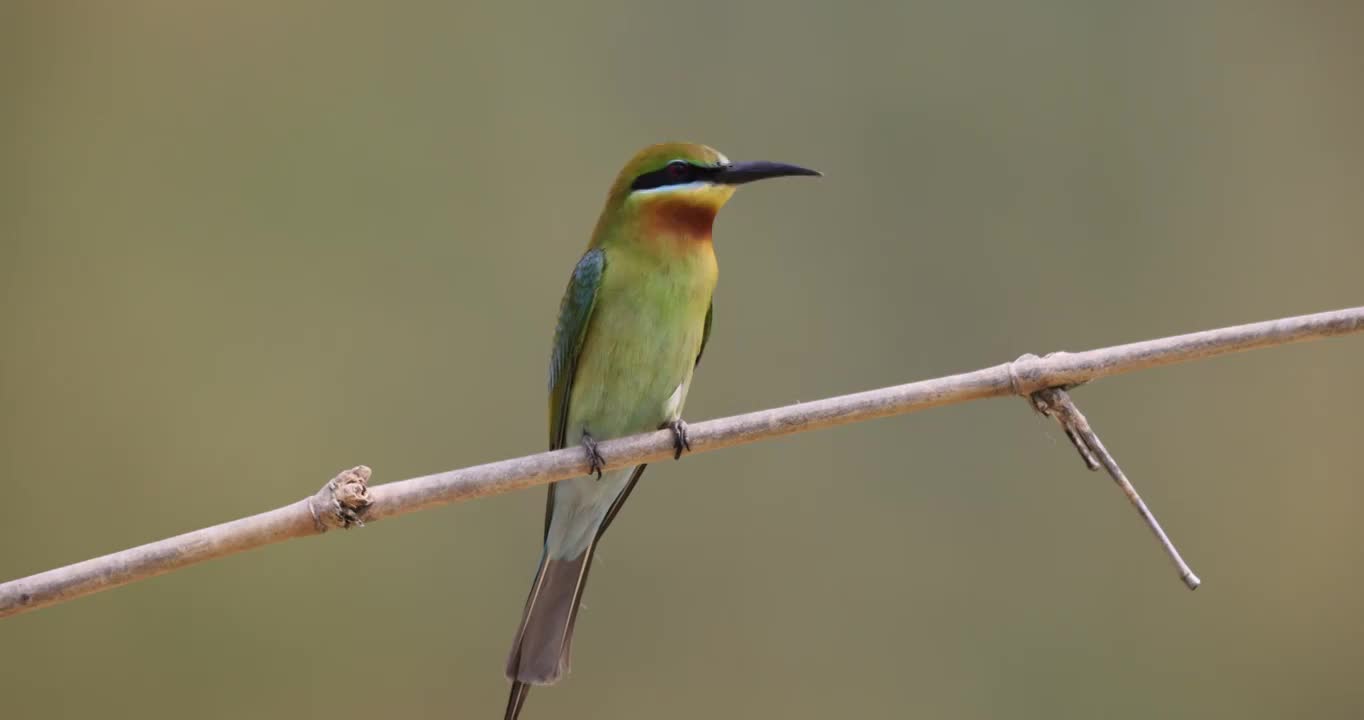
<point>674,173</point>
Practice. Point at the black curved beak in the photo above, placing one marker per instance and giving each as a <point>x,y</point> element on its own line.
<point>746,172</point>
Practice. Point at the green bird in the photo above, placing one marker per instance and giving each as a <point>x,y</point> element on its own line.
<point>632,327</point>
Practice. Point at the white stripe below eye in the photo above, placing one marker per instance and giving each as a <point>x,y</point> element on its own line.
<point>685,187</point>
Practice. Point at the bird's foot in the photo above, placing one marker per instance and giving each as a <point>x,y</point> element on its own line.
<point>594,459</point>
<point>680,440</point>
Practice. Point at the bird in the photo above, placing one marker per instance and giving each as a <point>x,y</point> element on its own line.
<point>632,326</point>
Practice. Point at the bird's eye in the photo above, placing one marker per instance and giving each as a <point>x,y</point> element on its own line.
<point>679,170</point>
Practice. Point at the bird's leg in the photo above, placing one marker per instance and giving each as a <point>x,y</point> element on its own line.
<point>680,440</point>
<point>594,459</point>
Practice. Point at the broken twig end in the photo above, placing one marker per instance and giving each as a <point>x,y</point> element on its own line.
<point>343,501</point>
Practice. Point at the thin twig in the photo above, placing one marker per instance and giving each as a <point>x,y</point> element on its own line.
<point>303,518</point>
<point>1056,403</point>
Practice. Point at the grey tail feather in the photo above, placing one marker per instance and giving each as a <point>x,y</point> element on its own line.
<point>519,691</point>
<point>540,653</point>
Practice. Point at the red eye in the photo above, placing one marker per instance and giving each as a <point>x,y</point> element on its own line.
<point>678,170</point>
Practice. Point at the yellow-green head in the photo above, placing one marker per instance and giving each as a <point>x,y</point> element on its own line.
<point>677,188</point>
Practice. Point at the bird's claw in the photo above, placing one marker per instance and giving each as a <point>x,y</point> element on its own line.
<point>680,440</point>
<point>594,459</point>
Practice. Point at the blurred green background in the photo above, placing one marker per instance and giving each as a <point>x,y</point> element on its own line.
<point>247,244</point>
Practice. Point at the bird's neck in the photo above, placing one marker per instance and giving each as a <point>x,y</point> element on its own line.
<point>679,219</point>
<point>668,229</point>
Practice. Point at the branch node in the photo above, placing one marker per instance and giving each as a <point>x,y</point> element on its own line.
<point>1028,375</point>
<point>342,502</point>
<point>1055,403</point>
<point>1017,373</point>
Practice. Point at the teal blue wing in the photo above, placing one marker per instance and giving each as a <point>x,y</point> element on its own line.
<point>575,311</point>
<point>705,333</point>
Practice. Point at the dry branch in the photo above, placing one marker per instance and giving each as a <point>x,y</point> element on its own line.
<point>1055,403</point>
<point>345,499</point>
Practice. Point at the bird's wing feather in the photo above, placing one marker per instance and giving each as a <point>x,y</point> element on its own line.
<point>575,310</point>
<point>574,313</point>
<point>705,333</point>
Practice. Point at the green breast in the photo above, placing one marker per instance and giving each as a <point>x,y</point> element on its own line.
<point>641,342</point>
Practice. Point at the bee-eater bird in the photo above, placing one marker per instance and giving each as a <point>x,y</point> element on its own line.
<point>632,326</point>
